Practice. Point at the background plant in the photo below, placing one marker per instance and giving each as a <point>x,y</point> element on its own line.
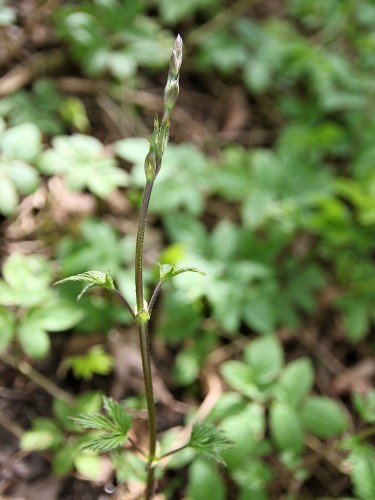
<point>266,187</point>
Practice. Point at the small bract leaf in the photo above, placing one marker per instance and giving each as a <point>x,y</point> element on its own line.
<point>209,442</point>
<point>93,278</point>
<point>168,271</point>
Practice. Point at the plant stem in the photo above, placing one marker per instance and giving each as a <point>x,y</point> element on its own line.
<point>154,296</point>
<point>140,244</point>
<point>124,302</point>
<point>143,338</point>
<point>172,452</point>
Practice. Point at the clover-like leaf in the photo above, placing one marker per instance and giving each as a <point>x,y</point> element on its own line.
<point>168,271</point>
<point>93,278</point>
<point>209,442</point>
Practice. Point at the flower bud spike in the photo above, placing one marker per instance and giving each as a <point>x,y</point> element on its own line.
<point>176,57</point>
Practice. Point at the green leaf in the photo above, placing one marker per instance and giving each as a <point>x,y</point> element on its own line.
<point>187,367</point>
<point>209,442</point>
<point>88,465</point>
<point>250,422</point>
<point>323,416</point>
<point>363,472</point>
<point>259,313</point>
<point>129,467</point>
<point>286,428</point>
<point>365,405</point>
<point>93,278</point>
<point>94,421</point>
<point>24,177</point>
<point>9,196</point>
<point>118,414</point>
<point>33,339</point>
<point>84,162</point>
<point>90,402</point>
<point>26,280</point>
<point>57,317</point>
<point>96,360</point>
<point>168,271</point>
<point>295,382</point>
<point>22,142</point>
<point>44,434</point>
<point>253,475</point>
<point>205,482</point>
<point>106,442</point>
<point>239,376</point>
<point>265,358</point>
<point>117,422</point>
<point>63,460</point>
<point>7,328</point>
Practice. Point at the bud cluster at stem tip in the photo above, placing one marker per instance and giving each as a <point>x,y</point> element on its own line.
<point>172,87</point>
<point>160,135</point>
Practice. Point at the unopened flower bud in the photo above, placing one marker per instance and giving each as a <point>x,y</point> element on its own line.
<point>176,58</point>
<point>170,95</point>
<point>150,166</point>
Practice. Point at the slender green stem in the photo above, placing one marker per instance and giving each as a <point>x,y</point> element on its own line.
<point>143,338</point>
<point>124,302</point>
<point>172,452</point>
<point>140,244</point>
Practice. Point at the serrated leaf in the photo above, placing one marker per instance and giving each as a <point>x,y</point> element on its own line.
<point>209,442</point>
<point>96,360</point>
<point>118,414</point>
<point>106,442</point>
<point>323,416</point>
<point>116,421</point>
<point>93,278</point>
<point>94,421</point>
<point>168,271</point>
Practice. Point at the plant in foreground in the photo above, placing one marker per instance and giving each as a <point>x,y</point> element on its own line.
<point>116,423</point>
